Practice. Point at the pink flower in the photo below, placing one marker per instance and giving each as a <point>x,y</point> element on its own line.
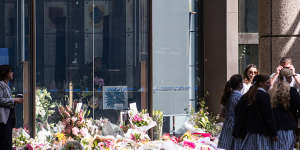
<point>108,143</point>
<point>29,147</point>
<point>80,116</point>
<point>80,123</point>
<point>137,118</point>
<point>202,134</point>
<point>84,131</point>
<point>26,130</point>
<point>39,146</point>
<point>189,144</point>
<point>75,131</point>
<point>175,139</point>
<point>101,144</point>
<point>66,121</point>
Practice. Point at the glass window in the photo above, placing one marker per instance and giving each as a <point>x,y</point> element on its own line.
<point>94,55</point>
<point>11,45</point>
<point>248,54</point>
<point>248,16</point>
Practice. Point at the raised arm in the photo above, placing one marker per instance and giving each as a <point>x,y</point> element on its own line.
<point>274,76</point>
<point>296,76</point>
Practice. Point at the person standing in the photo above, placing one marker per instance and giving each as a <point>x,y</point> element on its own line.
<point>260,121</point>
<point>248,75</point>
<point>286,62</point>
<point>7,114</point>
<point>230,98</point>
<point>285,102</point>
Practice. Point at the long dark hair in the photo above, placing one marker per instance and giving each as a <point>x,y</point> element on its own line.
<point>251,94</point>
<point>245,74</point>
<point>233,83</point>
<point>4,70</point>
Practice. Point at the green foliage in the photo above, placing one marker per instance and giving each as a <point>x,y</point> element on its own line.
<point>157,116</point>
<point>45,107</point>
<point>205,120</point>
<point>20,141</point>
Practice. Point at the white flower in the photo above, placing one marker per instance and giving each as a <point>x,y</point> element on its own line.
<point>24,133</point>
<point>42,112</point>
<point>60,126</point>
<point>43,135</point>
<point>74,119</point>
<point>84,131</point>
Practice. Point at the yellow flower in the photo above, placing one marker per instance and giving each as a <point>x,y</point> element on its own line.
<point>60,136</point>
<point>187,135</point>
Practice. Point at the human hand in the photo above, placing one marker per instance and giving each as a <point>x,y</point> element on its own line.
<point>293,69</point>
<point>278,69</point>
<point>18,100</point>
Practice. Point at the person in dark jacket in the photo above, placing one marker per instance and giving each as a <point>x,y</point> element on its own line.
<point>7,114</point>
<point>260,121</point>
<point>285,102</point>
<point>231,96</point>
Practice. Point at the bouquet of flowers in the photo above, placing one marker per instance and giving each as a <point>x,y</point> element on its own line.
<point>22,140</point>
<point>158,118</point>
<point>141,120</point>
<point>197,141</point>
<point>203,121</point>
<point>74,123</point>
<point>103,143</point>
<point>138,120</point>
<point>20,137</point>
<point>137,135</point>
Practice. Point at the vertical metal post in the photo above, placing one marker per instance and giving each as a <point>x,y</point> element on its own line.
<point>93,41</point>
<point>150,76</point>
<point>173,126</point>
<point>191,53</point>
<point>22,30</point>
<point>32,66</point>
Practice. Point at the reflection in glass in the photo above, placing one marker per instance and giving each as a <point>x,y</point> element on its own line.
<point>248,16</point>
<point>248,54</point>
<point>10,46</point>
<point>97,56</point>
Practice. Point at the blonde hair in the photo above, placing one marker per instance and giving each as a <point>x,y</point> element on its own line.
<point>280,93</point>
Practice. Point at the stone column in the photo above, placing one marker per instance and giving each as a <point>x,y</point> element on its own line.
<point>279,33</point>
<point>220,37</point>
